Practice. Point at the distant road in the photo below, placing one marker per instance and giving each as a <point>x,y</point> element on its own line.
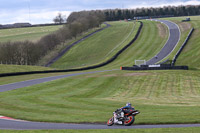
<point>174,37</point>
<point>22,84</point>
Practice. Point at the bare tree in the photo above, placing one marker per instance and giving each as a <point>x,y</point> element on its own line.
<point>59,19</point>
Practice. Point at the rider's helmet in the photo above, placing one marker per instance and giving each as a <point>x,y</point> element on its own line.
<point>128,104</point>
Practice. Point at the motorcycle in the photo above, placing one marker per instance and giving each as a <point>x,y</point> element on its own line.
<point>122,118</point>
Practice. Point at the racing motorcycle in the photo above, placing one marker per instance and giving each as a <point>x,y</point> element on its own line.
<point>123,118</point>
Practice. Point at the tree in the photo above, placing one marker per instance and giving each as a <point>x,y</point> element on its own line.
<point>75,28</point>
<point>59,19</point>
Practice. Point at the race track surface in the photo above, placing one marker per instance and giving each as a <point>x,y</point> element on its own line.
<point>174,37</point>
<point>26,125</point>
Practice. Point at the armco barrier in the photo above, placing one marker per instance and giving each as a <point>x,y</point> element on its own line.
<point>180,50</point>
<point>156,68</point>
<point>84,68</point>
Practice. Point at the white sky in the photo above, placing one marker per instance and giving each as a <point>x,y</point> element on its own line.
<point>43,11</point>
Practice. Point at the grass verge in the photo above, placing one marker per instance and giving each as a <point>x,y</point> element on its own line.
<point>155,130</point>
<point>191,52</point>
<point>21,68</point>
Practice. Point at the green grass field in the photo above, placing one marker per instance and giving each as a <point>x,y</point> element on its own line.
<point>30,33</point>
<point>161,96</point>
<point>155,130</point>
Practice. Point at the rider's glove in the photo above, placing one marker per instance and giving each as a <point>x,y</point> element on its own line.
<point>118,110</point>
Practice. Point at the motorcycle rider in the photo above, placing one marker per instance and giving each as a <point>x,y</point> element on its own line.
<point>124,110</point>
<point>123,116</point>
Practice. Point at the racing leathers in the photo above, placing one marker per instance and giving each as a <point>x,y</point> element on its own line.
<point>124,110</point>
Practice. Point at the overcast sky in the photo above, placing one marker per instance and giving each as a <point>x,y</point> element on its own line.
<point>43,11</point>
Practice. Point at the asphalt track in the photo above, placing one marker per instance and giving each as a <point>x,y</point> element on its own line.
<point>174,37</point>
<point>27,125</point>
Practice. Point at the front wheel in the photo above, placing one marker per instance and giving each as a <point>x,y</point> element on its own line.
<point>110,121</point>
<point>129,120</point>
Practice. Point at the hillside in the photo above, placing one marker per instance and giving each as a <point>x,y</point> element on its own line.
<point>29,33</point>
<point>105,44</point>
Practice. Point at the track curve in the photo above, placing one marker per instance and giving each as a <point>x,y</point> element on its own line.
<point>174,37</point>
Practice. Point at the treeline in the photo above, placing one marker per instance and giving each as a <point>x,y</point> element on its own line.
<point>120,14</point>
<point>29,53</point>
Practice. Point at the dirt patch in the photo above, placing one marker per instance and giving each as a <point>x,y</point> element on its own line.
<point>136,74</point>
<point>118,75</point>
<point>185,26</point>
<point>161,29</point>
<point>110,75</point>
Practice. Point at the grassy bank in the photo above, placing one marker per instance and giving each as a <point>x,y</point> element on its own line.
<point>191,53</point>
<point>29,33</point>
<point>161,96</point>
<point>99,47</point>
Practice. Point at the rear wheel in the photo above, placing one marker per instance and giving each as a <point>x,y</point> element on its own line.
<point>110,121</point>
<point>129,120</point>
